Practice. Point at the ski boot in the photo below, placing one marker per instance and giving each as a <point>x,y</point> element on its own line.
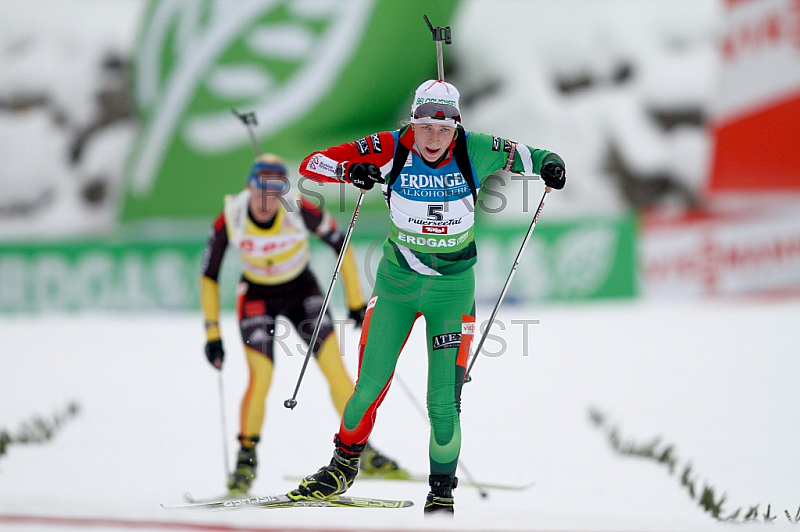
<point>376,464</point>
<point>331,480</point>
<point>242,478</point>
<point>440,498</point>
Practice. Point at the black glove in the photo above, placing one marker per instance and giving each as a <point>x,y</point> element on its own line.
<point>357,315</point>
<point>214,353</point>
<point>554,175</point>
<point>364,175</point>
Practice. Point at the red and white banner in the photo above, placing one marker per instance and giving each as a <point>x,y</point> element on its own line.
<point>747,239</point>
<point>722,255</point>
<point>756,114</point>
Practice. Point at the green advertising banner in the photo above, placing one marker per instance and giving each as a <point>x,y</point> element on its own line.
<point>576,260</point>
<point>316,73</point>
<point>99,275</point>
<point>572,261</point>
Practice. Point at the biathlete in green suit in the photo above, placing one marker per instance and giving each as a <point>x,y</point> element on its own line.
<point>431,172</point>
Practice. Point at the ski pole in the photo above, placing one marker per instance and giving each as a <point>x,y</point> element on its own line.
<point>439,34</point>
<point>292,402</point>
<point>483,493</point>
<point>249,120</point>
<point>468,377</point>
<point>224,425</point>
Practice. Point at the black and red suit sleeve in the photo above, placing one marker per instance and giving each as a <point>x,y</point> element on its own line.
<point>322,224</point>
<point>215,248</point>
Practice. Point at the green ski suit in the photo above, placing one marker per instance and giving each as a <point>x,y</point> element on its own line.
<point>426,270</point>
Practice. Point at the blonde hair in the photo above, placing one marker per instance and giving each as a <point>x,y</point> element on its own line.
<point>270,158</point>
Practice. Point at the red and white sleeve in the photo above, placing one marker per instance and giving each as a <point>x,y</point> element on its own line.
<point>331,165</point>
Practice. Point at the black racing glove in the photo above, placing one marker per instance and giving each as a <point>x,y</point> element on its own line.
<point>357,315</point>
<point>364,175</point>
<point>554,175</point>
<point>214,353</point>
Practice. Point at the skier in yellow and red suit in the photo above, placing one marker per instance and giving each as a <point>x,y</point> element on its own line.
<point>271,238</point>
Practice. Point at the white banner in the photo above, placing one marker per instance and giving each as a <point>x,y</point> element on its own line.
<point>760,56</point>
<point>722,255</point>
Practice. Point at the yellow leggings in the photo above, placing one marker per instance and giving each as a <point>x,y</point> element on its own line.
<point>253,405</point>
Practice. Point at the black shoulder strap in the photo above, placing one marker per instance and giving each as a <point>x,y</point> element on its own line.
<point>461,156</point>
<point>400,157</point>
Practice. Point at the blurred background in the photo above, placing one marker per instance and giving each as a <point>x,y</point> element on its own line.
<point>665,274</point>
<point>676,118</point>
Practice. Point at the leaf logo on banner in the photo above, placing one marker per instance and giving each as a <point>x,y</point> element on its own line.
<point>583,259</point>
<point>199,58</point>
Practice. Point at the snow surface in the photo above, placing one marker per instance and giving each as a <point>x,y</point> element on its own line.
<point>716,380</point>
<point>54,49</point>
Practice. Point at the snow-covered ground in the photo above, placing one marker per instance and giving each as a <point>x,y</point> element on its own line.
<point>634,56</point>
<point>716,380</point>
<point>52,69</point>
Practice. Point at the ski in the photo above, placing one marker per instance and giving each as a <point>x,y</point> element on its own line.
<point>424,478</point>
<point>283,501</point>
<point>191,499</point>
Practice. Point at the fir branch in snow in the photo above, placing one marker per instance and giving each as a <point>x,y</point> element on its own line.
<point>38,429</point>
<point>665,455</point>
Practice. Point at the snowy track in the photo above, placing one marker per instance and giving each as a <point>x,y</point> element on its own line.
<point>716,380</point>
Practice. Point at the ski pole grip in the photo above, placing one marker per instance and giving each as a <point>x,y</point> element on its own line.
<point>547,190</point>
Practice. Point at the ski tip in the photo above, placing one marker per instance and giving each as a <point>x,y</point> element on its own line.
<point>388,503</point>
<point>366,502</point>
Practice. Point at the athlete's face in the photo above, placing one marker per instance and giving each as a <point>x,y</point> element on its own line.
<point>264,203</point>
<point>433,140</point>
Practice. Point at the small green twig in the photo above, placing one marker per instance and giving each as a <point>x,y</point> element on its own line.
<point>667,456</point>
